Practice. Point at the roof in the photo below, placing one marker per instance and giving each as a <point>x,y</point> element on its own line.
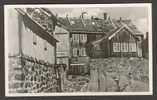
<point>36,27</point>
<point>108,27</point>
<point>78,25</point>
<point>111,34</point>
<point>60,30</point>
<point>128,23</point>
<point>86,25</point>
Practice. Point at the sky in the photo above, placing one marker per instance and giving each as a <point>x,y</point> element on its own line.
<point>139,15</point>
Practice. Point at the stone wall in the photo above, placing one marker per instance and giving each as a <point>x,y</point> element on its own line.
<point>29,75</point>
<point>15,75</point>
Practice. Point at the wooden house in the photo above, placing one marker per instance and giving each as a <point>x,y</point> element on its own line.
<point>63,46</point>
<point>97,38</point>
<point>124,41</point>
<point>120,43</point>
<point>31,50</point>
<point>82,32</point>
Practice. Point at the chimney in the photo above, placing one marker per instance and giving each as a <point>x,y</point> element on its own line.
<point>120,19</point>
<point>92,17</point>
<point>82,18</point>
<point>68,19</point>
<point>105,16</point>
<point>146,35</point>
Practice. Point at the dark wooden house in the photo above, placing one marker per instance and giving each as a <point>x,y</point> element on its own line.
<point>82,32</point>
<point>120,43</point>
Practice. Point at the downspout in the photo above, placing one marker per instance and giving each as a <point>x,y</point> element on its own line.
<point>20,19</point>
<point>55,54</point>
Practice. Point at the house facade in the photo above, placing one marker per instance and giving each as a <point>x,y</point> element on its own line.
<point>121,43</point>
<point>82,32</point>
<point>101,38</point>
<point>63,53</point>
<point>31,51</point>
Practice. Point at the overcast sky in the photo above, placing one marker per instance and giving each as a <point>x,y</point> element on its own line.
<point>139,15</point>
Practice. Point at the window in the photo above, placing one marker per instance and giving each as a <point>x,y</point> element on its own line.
<point>45,45</point>
<point>125,47</point>
<point>116,47</point>
<point>74,52</point>
<point>83,51</point>
<point>122,47</point>
<point>80,52</point>
<point>84,38</point>
<point>81,37</point>
<point>34,36</point>
<point>77,38</point>
<point>34,39</point>
<point>132,47</point>
<point>73,37</point>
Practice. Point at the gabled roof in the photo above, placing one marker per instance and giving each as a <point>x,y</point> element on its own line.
<point>108,27</point>
<point>36,27</point>
<point>111,34</point>
<point>127,23</point>
<point>122,27</point>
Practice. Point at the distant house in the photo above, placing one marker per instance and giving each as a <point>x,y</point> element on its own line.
<point>82,32</point>
<point>119,37</point>
<point>31,50</point>
<point>106,37</point>
<point>120,43</point>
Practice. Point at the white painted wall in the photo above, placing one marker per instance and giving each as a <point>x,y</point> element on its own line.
<point>28,47</point>
<point>63,46</point>
<point>37,50</point>
<point>13,30</point>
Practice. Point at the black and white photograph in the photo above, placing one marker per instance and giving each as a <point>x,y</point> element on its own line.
<point>78,49</point>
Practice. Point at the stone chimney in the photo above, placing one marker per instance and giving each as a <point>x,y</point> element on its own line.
<point>105,16</point>
<point>120,19</point>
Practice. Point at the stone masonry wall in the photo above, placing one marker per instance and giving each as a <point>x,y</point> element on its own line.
<point>15,75</point>
<point>29,75</point>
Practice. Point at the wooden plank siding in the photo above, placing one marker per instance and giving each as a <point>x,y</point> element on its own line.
<point>78,44</point>
<point>128,44</point>
<point>122,44</point>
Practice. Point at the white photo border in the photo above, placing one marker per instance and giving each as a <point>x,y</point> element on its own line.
<point>148,5</point>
